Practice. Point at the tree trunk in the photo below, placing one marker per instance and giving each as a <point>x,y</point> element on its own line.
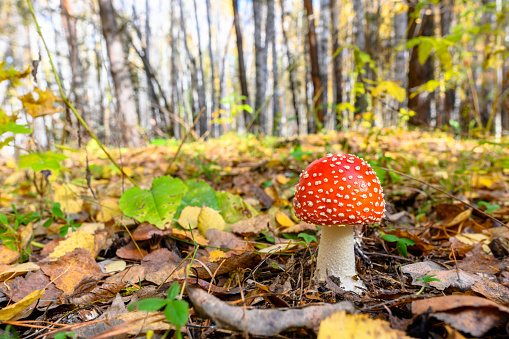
<point>446,17</point>
<point>212,69</point>
<point>291,68</point>
<point>204,125</point>
<point>336,62</point>
<point>324,58</point>
<point>261,65</point>
<point>242,67</point>
<point>271,40</point>
<point>78,87</point>
<point>361,103</point>
<point>195,105</point>
<point>315,69</point>
<point>400,61</point>
<point>419,74</point>
<point>173,75</point>
<point>120,73</point>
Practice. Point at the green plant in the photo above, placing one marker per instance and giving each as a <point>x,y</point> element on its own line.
<point>69,222</point>
<point>401,243</point>
<point>490,208</point>
<point>64,335</point>
<point>9,225</point>
<point>176,311</point>
<point>426,279</point>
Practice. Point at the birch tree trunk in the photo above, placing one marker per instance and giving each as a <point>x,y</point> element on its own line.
<point>121,77</point>
<point>173,74</point>
<point>202,102</point>
<point>213,106</point>
<point>315,69</point>
<point>400,61</point>
<point>271,40</point>
<point>446,17</point>
<point>261,65</point>
<point>243,119</point>
<point>336,62</point>
<point>324,58</point>
<point>360,41</point>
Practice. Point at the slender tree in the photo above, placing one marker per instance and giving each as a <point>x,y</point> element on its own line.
<point>419,74</point>
<point>120,73</point>
<point>211,60</point>
<point>400,61</point>
<point>261,64</point>
<point>446,18</point>
<point>242,68</point>
<point>204,125</point>
<point>271,40</point>
<point>315,69</point>
<point>336,61</point>
<point>323,55</point>
<point>360,41</point>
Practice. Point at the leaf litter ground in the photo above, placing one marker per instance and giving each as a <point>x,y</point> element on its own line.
<point>252,273</point>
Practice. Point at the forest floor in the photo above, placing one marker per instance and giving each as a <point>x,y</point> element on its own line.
<point>72,263</point>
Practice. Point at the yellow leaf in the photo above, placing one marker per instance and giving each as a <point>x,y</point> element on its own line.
<point>281,179</point>
<point>109,210</point>
<point>460,218</point>
<point>75,240</point>
<point>116,266</point>
<point>66,196</point>
<point>42,106</point>
<point>25,235</point>
<point>483,180</point>
<point>345,326</point>
<point>7,256</point>
<point>11,311</point>
<point>210,219</point>
<point>189,217</point>
<point>475,238</point>
<point>391,88</point>
<point>16,270</point>
<point>283,219</point>
<point>216,255</point>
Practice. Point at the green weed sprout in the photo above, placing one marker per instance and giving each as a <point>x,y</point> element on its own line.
<point>401,243</point>
<point>426,279</point>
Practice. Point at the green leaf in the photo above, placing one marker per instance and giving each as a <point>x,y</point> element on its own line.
<point>390,237</point>
<point>57,211</point>
<point>3,219</point>
<point>407,242</point>
<point>308,238</point>
<point>15,128</point>
<point>424,50</point>
<point>173,291</point>
<point>198,194</point>
<point>157,205</point>
<point>233,208</point>
<point>489,207</point>
<point>42,161</point>
<point>177,312</point>
<point>149,304</point>
<point>48,223</point>
<point>401,246</point>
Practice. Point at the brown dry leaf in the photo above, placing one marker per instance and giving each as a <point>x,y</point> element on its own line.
<point>66,196</point>
<point>493,291</point>
<point>477,261</point>
<point>189,217</point>
<point>357,326</point>
<point>8,256</point>
<point>15,311</point>
<point>91,227</point>
<point>186,235</point>
<point>21,287</point>
<point>131,252</point>
<point>272,192</point>
<point>234,260</point>
<point>252,225</point>
<point>210,219</point>
<point>145,322</point>
<point>262,322</point>
<point>469,314</point>
<point>98,292</point>
<point>283,219</point>
<point>160,264</point>
<point>227,240</point>
<point>132,275</point>
<point>15,270</point>
<point>26,235</point>
<point>475,238</point>
<point>457,279</point>
<point>146,231</point>
<point>300,227</point>
<point>75,240</point>
<point>70,269</point>
<point>109,210</point>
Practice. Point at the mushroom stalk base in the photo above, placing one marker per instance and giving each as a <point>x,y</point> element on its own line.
<point>336,257</point>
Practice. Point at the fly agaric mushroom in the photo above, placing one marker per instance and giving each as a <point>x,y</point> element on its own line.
<point>338,192</point>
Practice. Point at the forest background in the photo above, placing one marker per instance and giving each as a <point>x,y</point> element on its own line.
<point>142,70</point>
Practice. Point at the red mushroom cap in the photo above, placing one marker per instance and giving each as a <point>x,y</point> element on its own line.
<point>339,190</point>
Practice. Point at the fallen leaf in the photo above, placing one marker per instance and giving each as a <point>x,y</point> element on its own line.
<point>283,219</point>
<point>66,196</point>
<point>15,270</point>
<point>8,256</point>
<point>131,252</point>
<point>75,240</point>
<point>357,326</point>
<point>300,227</point>
<point>227,240</point>
<point>234,260</point>
<point>262,322</point>
<point>71,268</point>
<point>459,218</point>
<point>189,217</point>
<point>250,226</point>
<point>20,287</point>
<point>13,311</point>
<point>210,219</point>
<point>109,210</point>
<point>469,314</point>
<point>475,238</point>
<point>492,290</point>
<point>116,266</point>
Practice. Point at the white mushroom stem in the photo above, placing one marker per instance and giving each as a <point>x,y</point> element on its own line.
<point>336,257</point>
